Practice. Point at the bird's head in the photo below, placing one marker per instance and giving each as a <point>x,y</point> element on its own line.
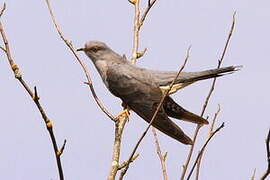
<point>95,50</point>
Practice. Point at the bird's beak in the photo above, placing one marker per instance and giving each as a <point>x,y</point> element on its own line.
<point>80,49</point>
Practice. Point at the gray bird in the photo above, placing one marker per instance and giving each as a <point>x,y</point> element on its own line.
<point>142,89</point>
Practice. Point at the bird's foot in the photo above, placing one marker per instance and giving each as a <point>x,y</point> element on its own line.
<point>124,113</point>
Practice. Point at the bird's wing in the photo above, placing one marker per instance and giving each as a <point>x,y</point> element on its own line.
<point>174,110</point>
<point>136,89</point>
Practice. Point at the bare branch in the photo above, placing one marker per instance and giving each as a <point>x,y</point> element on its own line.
<point>162,157</point>
<point>3,9</point>
<point>3,49</point>
<point>119,127</point>
<point>60,152</point>
<point>253,175</point>
<point>124,164</point>
<point>211,130</point>
<point>202,149</point>
<point>185,166</point>
<point>150,5</point>
<point>123,172</point>
<point>83,66</point>
<point>34,96</point>
<point>267,143</point>
<point>140,54</point>
<point>136,30</point>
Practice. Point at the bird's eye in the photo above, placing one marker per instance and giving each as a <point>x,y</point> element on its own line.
<point>95,49</point>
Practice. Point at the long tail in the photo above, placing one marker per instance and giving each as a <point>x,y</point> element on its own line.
<point>190,77</point>
<point>186,78</point>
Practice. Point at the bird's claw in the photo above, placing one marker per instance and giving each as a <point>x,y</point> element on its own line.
<point>124,113</point>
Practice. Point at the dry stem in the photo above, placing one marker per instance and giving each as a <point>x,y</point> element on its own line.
<point>210,133</point>
<point>34,97</point>
<point>253,175</point>
<point>267,143</point>
<point>119,127</point>
<point>185,166</point>
<point>136,30</point>
<point>203,147</point>
<point>83,66</point>
<point>162,157</point>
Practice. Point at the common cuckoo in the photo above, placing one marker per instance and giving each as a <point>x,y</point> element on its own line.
<point>142,89</point>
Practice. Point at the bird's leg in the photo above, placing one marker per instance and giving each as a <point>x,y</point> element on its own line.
<point>125,112</point>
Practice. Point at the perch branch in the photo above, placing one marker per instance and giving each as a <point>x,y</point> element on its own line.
<point>185,166</point>
<point>119,127</point>
<point>34,97</point>
<point>123,172</point>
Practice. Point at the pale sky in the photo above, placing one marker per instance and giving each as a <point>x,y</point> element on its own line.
<point>170,28</point>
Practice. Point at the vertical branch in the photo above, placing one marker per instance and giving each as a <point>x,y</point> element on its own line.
<point>136,30</point>
<point>137,23</point>
<point>14,67</point>
<point>185,166</point>
<point>162,157</point>
<point>123,172</point>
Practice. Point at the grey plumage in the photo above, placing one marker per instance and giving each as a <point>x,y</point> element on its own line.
<point>142,89</point>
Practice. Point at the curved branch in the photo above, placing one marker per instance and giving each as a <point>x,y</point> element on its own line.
<point>83,66</point>
<point>34,97</point>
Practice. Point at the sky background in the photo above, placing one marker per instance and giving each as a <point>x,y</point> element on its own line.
<point>26,151</point>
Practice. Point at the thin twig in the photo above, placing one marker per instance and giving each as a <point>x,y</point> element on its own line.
<point>119,123</point>
<point>123,172</point>
<point>162,157</point>
<point>3,9</point>
<point>124,164</point>
<point>203,147</point>
<point>34,97</point>
<point>211,129</point>
<point>185,166</point>
<point>83,66</point>
<point>149,6</point>
<point>253,175</point>
<point>210,132</point>
<point>267,143</point>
